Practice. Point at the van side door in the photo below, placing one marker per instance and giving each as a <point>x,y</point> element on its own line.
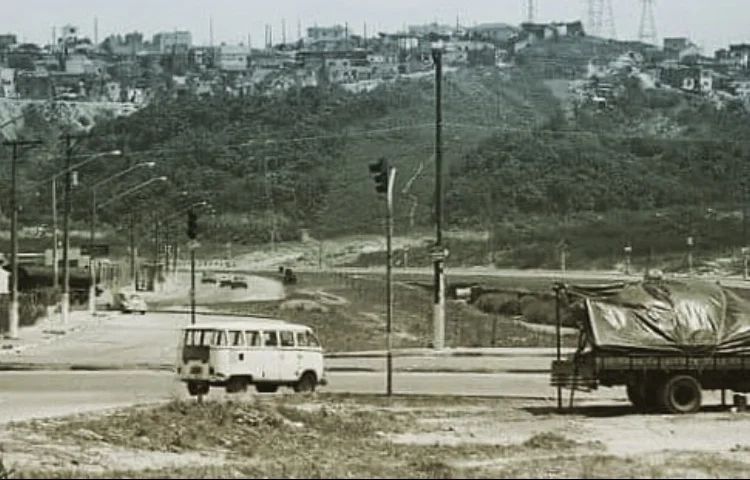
<point>269,357</point>
<point>288,360</point>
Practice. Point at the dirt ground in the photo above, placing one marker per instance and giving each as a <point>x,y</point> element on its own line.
<point>335,436</point>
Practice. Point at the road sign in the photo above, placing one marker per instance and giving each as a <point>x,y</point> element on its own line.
<point>439,254</point>
<point>193,245</point>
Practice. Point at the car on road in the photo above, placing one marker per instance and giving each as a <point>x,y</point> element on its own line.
<point>232,354</point>
<point>238,281</point>
<point>130,303</point>
<point>225,280</point>
<point>209,277</point>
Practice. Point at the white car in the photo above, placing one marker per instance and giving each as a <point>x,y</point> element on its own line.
<point>130,303</point>
<point>234,353</point>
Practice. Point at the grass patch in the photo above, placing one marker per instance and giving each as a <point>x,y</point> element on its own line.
<point>358,323</point>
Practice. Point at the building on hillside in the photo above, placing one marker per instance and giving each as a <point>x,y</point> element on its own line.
<point>8,83</point>
<point>130,45</point>
<point>741,87</point>
<point>493,32</point>
<point>740,55</point>
<point>232,58</point>
<point>316,34</point>
<point>7,40</point>
<point>34,85</point>
<point>431,29</point>
<point>167,42</point>
<point>569,29</point>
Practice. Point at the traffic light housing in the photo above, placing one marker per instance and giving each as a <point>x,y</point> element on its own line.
<point>192,225</point>
<point>379,172</point>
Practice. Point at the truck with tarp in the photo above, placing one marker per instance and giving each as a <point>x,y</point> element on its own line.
<point>665,340</point>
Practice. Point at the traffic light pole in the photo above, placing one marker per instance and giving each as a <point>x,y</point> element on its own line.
<point>389,281</point>
<point>439,253</point>
<point>192,286</point>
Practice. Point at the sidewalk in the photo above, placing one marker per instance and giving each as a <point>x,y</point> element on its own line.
<point>48,330</point>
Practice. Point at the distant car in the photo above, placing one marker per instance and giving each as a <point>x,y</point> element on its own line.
<point>130,303</point>
<point>225,281</point>
<point>208,277</point>
<point>238,281</point>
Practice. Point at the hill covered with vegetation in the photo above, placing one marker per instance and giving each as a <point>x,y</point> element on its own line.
<point>652,168</point>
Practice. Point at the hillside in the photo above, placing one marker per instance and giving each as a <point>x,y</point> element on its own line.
<point>524,160</point>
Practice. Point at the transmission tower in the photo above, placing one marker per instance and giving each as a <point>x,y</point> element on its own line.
<point>647,30</point>
<point>601,18</point>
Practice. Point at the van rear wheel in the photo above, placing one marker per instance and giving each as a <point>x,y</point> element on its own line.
<point>306,383</point>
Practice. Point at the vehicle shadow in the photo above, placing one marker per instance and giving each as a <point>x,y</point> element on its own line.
<point>607,411</point>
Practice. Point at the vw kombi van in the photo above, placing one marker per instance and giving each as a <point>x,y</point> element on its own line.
<point>233,353</point>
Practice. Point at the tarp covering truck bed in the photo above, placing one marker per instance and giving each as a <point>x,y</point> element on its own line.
<point>667,316</point>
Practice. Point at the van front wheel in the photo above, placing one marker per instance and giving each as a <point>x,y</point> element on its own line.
<point>306,384</point>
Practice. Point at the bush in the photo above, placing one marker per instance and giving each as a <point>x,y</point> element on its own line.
<point>542,311</point>
<point>499,303</point>
<point>31,307</point>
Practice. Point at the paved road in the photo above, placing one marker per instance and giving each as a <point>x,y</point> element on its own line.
<point>27,395</point>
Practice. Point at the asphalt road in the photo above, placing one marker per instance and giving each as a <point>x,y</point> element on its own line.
<point>27,395</point>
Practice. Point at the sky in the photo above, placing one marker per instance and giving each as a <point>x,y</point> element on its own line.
<point>711,24</point>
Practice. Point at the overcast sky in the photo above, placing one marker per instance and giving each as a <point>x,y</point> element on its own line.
<point>711,23</point>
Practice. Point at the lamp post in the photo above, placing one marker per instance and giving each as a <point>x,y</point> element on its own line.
<point>628,253</point>
<point>92,287</point>
<point>65,299</point>
<point>127,192</point>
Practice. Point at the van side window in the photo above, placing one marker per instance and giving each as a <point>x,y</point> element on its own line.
<point>252,338</point>
<point>220,338</point>
<point>301,339</point>
<point>287,339</point>
<point>270,339</point>
<point>236,338</point>
<point>312,340</point>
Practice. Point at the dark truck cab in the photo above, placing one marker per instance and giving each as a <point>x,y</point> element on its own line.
<point>664,340</point>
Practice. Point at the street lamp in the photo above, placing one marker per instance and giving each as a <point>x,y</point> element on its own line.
<point>92,287</point>
<point>65,300</point>
<point>124,194</point>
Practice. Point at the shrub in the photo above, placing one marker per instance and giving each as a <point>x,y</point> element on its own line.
<point>499,303</point>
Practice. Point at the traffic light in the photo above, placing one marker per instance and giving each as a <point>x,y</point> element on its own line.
<point>192,225</point>
<point>379,172</point>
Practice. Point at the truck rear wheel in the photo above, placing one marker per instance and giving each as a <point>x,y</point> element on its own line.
<point>236,385</point>
<point>680,394</point>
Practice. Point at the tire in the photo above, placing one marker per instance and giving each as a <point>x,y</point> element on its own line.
<point>236,385</point>
<point>198,388</point>
<point>306,383</point>
<point>680,394</point>
<point>266,387</point>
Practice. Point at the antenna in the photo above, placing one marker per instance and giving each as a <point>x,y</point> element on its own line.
<point>647,30</point>
<point>211,31</point>
<point>96,31</point>
<point>299,29</point>
<point>283,31</point>
<point>601,19</point>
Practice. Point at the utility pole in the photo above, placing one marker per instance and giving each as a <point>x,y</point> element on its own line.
<point>66,233</point>
<point>13,316</point>
<point>132,250</point>
<point>55,239</point>
<point>439,253</point>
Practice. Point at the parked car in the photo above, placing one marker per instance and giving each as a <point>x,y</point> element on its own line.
<point>238,281</point>
<point>130,303</point>
<point>225,281</point>
<point>209,277</point>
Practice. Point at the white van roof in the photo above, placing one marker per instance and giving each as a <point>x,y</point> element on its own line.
<point>241,323</point>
